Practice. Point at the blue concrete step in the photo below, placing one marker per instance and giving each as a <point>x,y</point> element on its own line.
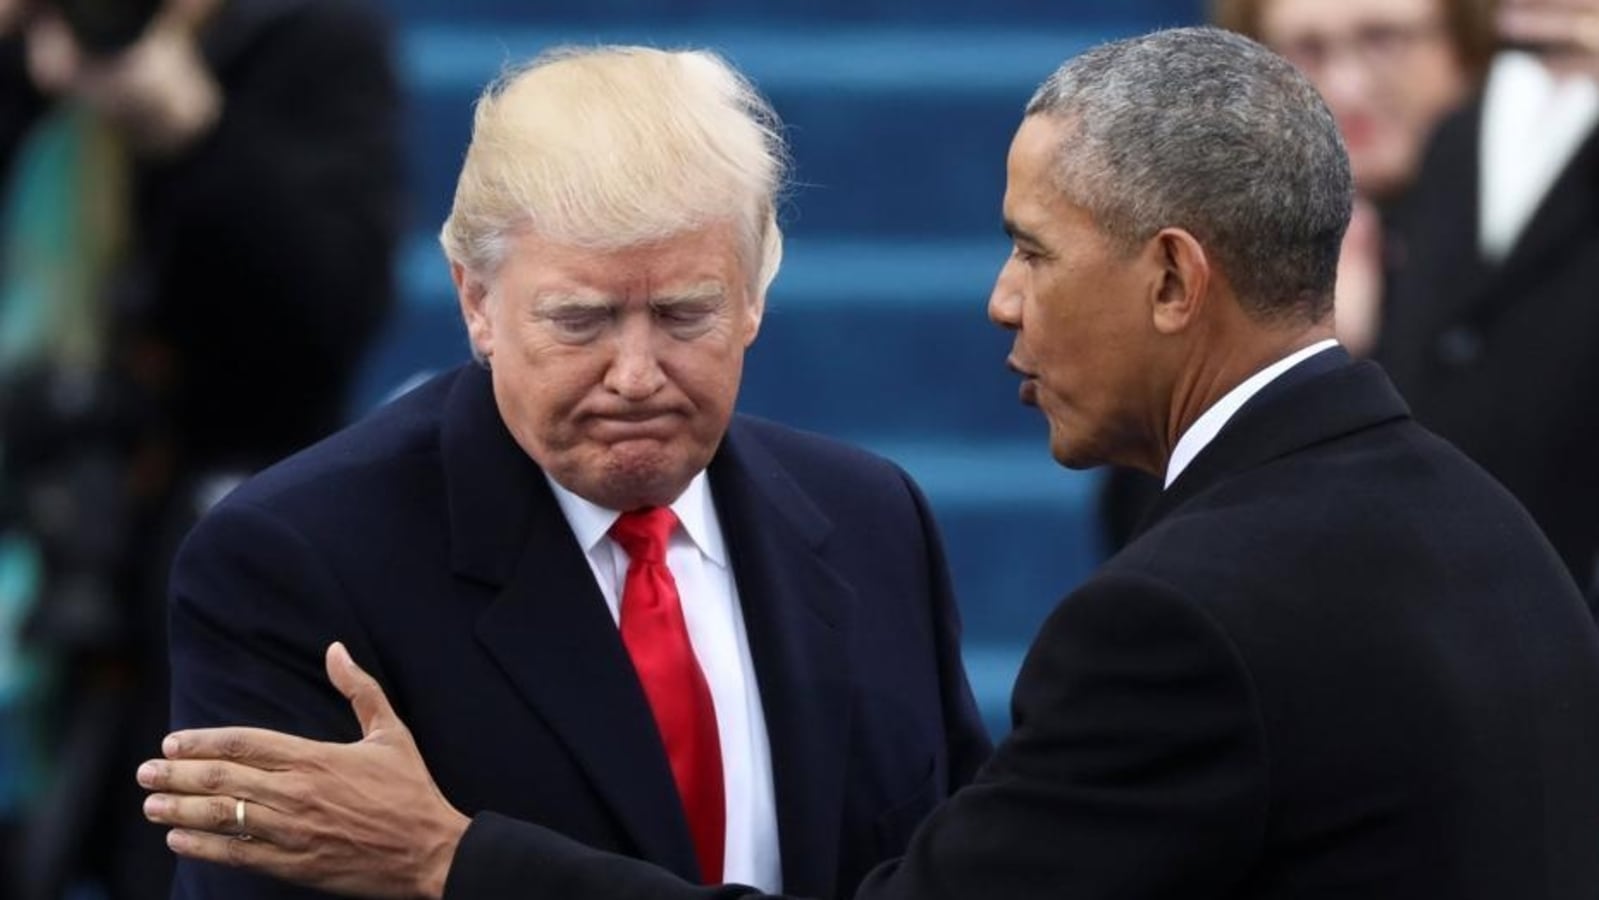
<point>1018,528</point>
<point>677,13</point>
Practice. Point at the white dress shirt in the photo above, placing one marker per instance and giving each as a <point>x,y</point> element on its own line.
<point>1533,122</point>
<point>697,557</point>
<point>1210,422</point>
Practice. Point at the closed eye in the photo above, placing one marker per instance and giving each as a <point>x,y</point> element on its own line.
<point>683,313</point>
<point>579,323</point>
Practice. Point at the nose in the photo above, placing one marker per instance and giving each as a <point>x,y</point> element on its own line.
<point>1005,300</point>
<point>1347,83</point>
<point>635,372</point>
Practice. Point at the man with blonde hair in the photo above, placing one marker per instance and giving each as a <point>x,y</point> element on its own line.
<point>603,601</point>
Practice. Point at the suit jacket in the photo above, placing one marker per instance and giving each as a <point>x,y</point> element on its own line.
<point>1341,662</point>
<point>1503,359</point>
<point>431,543</point>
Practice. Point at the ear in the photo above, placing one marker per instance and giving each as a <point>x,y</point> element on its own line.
<point>754,311</point>
<point>473,294</point>
<point>1184,276</point>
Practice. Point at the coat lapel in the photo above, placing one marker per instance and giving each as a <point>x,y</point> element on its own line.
<point>1434,250</point>
<point>797,612</point>
<point>1322,398</point>
<point>1565,214</point>
<point>1447,222</point>
<point>549,630</point>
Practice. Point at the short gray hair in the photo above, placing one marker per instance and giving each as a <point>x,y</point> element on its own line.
<point>1208,131</point>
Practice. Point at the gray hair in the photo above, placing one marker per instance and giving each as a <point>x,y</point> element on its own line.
<point>614,146</point>
<point>1208,131</point>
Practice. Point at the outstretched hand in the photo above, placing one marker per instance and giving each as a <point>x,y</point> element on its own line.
<point>1565,31</point>
<point>363,819</point>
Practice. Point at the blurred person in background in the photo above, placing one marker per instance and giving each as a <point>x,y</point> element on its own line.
<point>200,202</point>
<point>1389,70</point>
<point>1491,329</point>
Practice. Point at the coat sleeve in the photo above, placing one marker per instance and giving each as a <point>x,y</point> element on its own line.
<point>1136,769</point>
<point>252,610</point>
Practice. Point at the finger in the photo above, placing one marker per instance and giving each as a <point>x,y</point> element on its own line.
<point>258,856</point>
<point>371,707</point>
<point>1549,26</point>
<point>256,747</point>
<point>1567,5</point>
<point>52,55</point>
<point>220,815</point>
<point>211,778</point>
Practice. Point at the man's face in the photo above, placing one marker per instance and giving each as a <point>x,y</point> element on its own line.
<point>616,370</point>
<point>1079,307</point>
<point>1386,69</point>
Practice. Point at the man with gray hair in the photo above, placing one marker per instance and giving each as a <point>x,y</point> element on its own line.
<point>1340,661</point>
<point>604,602</point>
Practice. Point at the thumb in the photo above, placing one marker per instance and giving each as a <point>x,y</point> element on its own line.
<point>371,707</point>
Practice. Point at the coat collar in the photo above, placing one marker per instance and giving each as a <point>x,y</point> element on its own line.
<point>1322,398</point>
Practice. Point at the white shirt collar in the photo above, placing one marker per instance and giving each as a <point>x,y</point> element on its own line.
<point>1210,422</point>
<point>592,522</point>
<point>1533,123</point>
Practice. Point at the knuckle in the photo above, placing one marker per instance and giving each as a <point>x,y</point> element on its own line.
<point>219,813</point>
<point>236,853</point>
<point>213,778</point>
<point>234,747</point>
<point>293,840</point>
<point>299,792</point>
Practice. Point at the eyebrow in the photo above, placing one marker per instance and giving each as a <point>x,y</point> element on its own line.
<point>547,302</point>
<point>704,291</point>
<point>1018,233</point>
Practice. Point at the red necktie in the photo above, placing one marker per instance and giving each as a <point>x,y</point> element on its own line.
<point>657,639</point>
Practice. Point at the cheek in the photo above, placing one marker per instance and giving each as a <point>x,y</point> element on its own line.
<point>1045,316</point>
<point>545,387</point>
<point>707,374</point>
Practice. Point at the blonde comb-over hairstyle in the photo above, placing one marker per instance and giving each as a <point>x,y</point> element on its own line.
<point>610,147</point>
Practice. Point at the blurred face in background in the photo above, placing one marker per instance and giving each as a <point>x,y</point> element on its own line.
<point>1387,69</point>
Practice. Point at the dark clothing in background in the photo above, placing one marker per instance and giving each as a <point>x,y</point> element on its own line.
<point>1503,359</point>
<point>260,268</point>
<point>430,543</point>
<point>1340,662</point>
<point>262,258</point>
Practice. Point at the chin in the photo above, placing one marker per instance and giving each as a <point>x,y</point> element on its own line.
<point>649,478</point>
<point>1072,457</point>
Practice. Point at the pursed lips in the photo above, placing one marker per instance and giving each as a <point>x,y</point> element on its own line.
<point>626,424</point>
<point>1027,392</point>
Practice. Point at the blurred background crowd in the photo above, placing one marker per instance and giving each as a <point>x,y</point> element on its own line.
<point>217,225</point>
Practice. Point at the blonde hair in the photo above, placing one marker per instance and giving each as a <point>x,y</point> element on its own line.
<point>609,147</point>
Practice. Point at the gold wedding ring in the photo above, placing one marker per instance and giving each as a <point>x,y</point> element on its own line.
<point>238,819</point>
